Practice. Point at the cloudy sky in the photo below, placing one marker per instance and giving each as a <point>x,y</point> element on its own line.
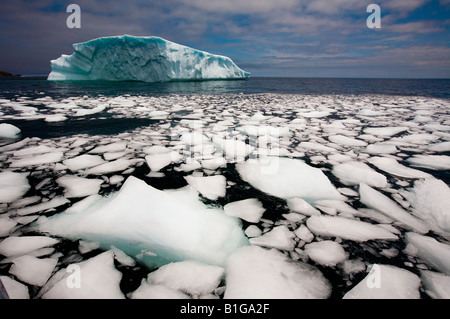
<point>293,38</point>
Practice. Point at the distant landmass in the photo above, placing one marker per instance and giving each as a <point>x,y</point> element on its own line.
<point>6,73</point>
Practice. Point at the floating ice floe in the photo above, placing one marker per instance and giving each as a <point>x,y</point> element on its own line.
<point>14,289</point>
<point>353,173</point>
<point>391,166</point>
<point>279,237</point>
<point>95,278</point>
<point>437,285</point>
<point>376,200</point>
<point>435,254</point>
<point>47,158</point>
<point>326,253</point>
<point>211,187</point>
<point>13,186</point>
<point>154,227</point>
<point>82,162</point>
<point>385,131</point>
<point>76,186</point>
<point>430,201</point>
<point>16,246</point>
<point>9,131</point>
<point>346,228</point>
<point>189,277</point>
<point>434,162</point>
<point>256,273</point>
<point>250,209</point>
<point>386,282</point>
<point>32,270</point>
<point>287,178</point>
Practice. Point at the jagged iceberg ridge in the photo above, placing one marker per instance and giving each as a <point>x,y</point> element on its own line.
<point>148,59</point>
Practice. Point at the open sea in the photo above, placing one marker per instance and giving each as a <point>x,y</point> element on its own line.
<point>82,140</point>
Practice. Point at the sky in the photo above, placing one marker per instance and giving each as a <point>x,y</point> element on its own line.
<point>279,38</point>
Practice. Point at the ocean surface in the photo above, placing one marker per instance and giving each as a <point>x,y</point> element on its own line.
<point>375,152</point>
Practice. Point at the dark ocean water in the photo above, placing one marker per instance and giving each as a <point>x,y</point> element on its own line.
<point>439,88</point>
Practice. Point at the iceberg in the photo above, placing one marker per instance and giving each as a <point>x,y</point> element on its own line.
<point>148,59</point>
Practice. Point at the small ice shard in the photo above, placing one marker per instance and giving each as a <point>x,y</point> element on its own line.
<point>376,200</point>
<point>304,234</point>
<point>76,186</point>
<point>55,118</point>
<point>12,186</point>
<point>327,253</point>
<point>345,228</point>
<point>13,245</point>
<point>435,254</point>
<point>156,227</point>
<point>149,59</point>
<point>391,166</point>
<point>95,278</point>
<point>437,285</point>
<point>211,187</point>
<point>147,291</point>
<point>353,173</point>
<point>253,231</point>
<point>82,162</point>
<point>434,162</point>
<point>385,131</point>
<point>386,282</point>
<point>14,289</point>
<point>287,178</point>
<point>250,209</point>
<point>191,277</point>
<point>214,163</point>
<point>279,237</point>
<point>32,270</point>
<point>257,273</point>
<point>430,201</point>
<point>9,131</point>
<point>109,148</point>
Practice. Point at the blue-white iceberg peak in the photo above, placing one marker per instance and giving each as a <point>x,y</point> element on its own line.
<point>149,59</point>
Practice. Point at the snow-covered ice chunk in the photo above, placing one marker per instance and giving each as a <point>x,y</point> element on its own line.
<point>279,237</point>
<point>211,187</point>
<point>53,203</point>
<point>391,166</point>
<point>434,162</point>
<point>9,131</point>
<point>32,270</point>
<point>82,162</point>
<point>435,254</point>
<point>76,186</point>
<point>156,227</point>
<point>12,186</point>
<point>214,163</point>
<point>353,173</point>
<point>253,231</point>
<point>287,178</point>
<point>440,147</point>
<point>97,279</point>
<point>304,234</point>
<point>386,282</point>
<point>55,118</point>
<point>191,277</point>
<point>250,209</point>
<point>326,253</point>
<point>149,59</point>
<point>437,285</point>
<point>14,289</point>
<point>13,245</point>
<point>346,228</point>
<point>109,148</point>
<point>430,201</point>
<point>376,200</point>
<point>256,273</point>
